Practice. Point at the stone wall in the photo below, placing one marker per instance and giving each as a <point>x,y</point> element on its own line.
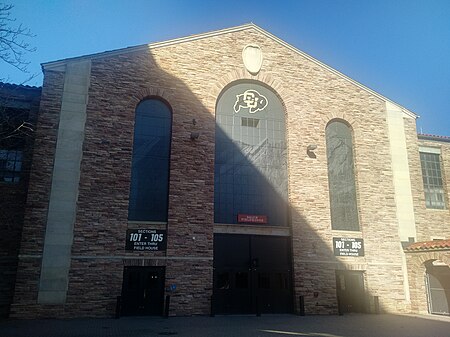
<point>31,246</point>
<point>190,76</point>
<point>416,275</point>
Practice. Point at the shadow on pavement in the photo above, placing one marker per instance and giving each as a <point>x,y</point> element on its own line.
<point>353,325</point>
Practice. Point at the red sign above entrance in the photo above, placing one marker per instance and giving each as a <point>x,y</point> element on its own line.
<point>250,218</point>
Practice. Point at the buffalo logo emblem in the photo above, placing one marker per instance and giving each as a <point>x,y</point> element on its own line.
<point>252,100</point>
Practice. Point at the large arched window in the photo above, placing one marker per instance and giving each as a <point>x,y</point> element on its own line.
<point>250,176</point>
<point>150,165</point>
<point>341,177</point>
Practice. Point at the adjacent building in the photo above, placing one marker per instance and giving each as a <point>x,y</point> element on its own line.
<point>19,106</point>
<point>235,174</point>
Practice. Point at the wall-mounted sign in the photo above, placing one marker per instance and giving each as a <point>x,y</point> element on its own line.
<point>348,247</point>
<point>252,57</point>
<point>146,240</point>
<point>250,218</point>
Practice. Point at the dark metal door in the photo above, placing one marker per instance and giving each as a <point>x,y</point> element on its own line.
<point>143,291</point>
<point>252,273</point>
<point>271,257</point>
<point>350,291</point>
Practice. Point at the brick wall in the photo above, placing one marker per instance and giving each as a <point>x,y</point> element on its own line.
<point>31,245</point>
<point>435,222</point>
<point>416,274</point>
<point>190,77</point>
<point>430,223</point>
<point>24,101</point>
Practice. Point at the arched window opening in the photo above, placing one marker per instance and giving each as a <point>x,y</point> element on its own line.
<point>250,176</point>
<point>149,189</point>
<point>341,177</point>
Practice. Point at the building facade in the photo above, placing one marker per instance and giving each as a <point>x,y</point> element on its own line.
<point>19,106</point>
<point>233,173</point>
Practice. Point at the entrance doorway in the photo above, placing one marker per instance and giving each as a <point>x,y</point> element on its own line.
<point>252,274</point>
<point>350,291</point>
<point>438,287</point>
<point>143,291</point>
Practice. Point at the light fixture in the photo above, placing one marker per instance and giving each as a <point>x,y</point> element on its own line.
<point>311,147</point>
<point>195,135</point>
<point>310,150</point>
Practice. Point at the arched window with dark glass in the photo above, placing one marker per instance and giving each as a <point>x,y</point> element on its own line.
<point>341,176</point>
<point>149,189</point>
<point>250,175</point>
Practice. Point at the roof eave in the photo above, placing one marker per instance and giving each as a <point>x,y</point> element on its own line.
<point>51,64</point>
<point>336,72</point>
<point>434,138</point>
<point>57,64</point>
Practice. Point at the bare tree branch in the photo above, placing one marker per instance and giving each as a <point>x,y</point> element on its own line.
<point>13,44</point>
<point>14,123</point>
<point>25,128</point>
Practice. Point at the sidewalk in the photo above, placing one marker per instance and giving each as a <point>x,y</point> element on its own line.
<point>354,325</point>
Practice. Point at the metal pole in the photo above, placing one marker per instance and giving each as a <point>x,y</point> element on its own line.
<point>376,302</point>
<point>166,309</point>
<point>340,311</point>
<point>118,306</point>
<point>302,305</point>
<point>213,313</point>
<point>258,309</point>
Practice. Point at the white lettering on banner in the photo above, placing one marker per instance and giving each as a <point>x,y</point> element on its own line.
<point>146,239</point>
<point>348,247</point>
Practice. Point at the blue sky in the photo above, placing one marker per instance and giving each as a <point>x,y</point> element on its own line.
<point>399,48</point>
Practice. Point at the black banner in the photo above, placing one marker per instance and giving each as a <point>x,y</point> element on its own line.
<point>146,240</point>
<point>348,247</point>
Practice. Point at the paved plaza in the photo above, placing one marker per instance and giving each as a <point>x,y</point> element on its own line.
<point>239,326</point>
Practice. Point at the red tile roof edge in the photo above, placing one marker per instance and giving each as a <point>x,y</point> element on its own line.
<point>21,86</point>
<point>429,245</point>
<point>428,136</point>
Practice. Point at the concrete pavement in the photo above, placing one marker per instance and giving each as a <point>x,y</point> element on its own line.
<point>354,325</point>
